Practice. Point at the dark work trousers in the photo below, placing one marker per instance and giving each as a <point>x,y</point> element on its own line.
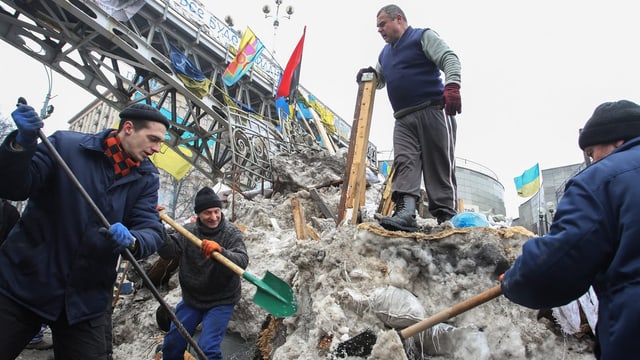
<point>214,326</point>
<point>108,331</point>
<point>424,144</point>
<point>18,325</point>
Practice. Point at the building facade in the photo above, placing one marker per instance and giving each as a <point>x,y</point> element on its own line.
<point>479,189</point>
<point>536,214</point>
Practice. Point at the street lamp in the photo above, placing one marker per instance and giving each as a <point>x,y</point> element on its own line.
<point>276,18</point>
<point>552,210</point>
<point>228,20</point>
<point>541,225</point>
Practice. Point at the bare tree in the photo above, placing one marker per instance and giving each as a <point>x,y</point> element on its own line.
<point>183,192</point>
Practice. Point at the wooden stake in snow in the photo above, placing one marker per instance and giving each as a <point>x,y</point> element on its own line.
<point>298,218</point>
<point>353,187</point>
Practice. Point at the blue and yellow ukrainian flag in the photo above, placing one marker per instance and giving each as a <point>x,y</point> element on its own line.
<point>192,77</point>
<point>528,183</point>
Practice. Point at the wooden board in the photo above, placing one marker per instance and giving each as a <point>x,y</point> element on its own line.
<point>353,187</point>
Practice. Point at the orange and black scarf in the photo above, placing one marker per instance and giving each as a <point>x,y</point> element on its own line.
<point>122,162</point>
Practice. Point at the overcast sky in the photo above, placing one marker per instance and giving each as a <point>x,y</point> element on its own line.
<point>532,72</point>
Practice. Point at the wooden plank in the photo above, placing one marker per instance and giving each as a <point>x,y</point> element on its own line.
<point>323,132</point>
<point>357,153</point>
<point>367,111</point>
<point>342,205</point>
<point>423,210</point>
<point>313,233</point>
<point>363,113</point>
<point>333,143</point>
<point>386,204</point>
<point>298,218</point>
<point>357,195</point>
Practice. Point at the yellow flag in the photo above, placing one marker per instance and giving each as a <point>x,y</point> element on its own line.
<point>171,162</point>
<point>199,88</point>
<point>326,116</point>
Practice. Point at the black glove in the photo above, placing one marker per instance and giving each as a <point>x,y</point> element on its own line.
<point>370,69</point>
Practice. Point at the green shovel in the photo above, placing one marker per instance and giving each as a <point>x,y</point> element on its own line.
<point>273,294</point>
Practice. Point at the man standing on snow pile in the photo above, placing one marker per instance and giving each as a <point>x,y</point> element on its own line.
<point>210,290</point>
<point>57,265</point>
<point>424,135</point>
<point>594,237</point>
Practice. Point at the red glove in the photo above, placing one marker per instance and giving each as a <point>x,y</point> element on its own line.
<point>452,101</point>
<point>208,247</point>
<point>501,277</point>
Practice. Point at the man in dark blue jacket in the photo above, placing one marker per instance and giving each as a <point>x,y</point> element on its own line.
<point>424,133</point>
<point>57,267</point>
<point>594,239</point>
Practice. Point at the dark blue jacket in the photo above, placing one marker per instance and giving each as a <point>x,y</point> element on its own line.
<point>594,240</point>
<point>411,78</point>
<point>55,260</point>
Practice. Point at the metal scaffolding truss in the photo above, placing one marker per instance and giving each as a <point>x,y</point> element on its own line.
<point>230,137</point>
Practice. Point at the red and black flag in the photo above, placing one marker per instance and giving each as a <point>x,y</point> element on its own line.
<point>291,75</point>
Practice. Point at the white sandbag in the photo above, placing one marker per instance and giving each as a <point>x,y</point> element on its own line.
<point>568,316</point>
<point>397,308</point>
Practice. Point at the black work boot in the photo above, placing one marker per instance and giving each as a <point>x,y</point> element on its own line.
<point>444,218</point>
<point>404,215</point>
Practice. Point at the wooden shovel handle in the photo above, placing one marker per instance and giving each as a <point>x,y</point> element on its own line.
<point>194,239</point>
<point>447,314</point>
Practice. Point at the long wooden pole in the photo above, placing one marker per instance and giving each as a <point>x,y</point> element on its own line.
<point>448,313</point>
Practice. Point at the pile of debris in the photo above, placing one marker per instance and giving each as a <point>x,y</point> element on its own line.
<point>354,283</point>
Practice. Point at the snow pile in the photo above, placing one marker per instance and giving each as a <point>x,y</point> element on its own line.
<point>359,278</point>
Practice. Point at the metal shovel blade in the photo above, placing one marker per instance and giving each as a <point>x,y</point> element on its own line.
<point>273,294</point>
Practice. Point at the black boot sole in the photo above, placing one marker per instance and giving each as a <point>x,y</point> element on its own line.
<point>393,226</point>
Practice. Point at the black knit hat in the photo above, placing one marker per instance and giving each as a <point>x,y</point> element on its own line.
<point>143,112</point>
<point>206,198</point>
<point>610,122</point>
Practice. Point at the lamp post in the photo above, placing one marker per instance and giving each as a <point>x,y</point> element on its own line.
<point>276,18</point>
<point>552,210</point>
<point>229,21</point>
<point>541,226</point>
